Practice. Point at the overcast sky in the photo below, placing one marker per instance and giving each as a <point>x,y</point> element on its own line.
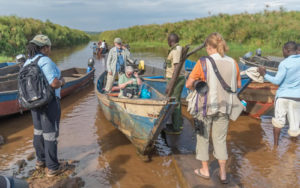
<point>100,15</point>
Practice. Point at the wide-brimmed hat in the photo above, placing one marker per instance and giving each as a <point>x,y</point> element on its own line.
<point>41,40</point>
<point>118,41</point>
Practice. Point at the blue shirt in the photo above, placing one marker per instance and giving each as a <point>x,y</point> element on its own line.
<point>49,69</point>
<point>120,60</point>
<point>287,77</point>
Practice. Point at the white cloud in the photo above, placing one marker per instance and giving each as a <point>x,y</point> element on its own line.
<point>96,15</point>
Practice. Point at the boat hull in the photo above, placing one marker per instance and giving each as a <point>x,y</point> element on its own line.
<point>140,120</point>
<point>9,100</point>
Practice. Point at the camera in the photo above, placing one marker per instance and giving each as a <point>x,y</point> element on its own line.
<point>201,87</point>
<point>199,127</point>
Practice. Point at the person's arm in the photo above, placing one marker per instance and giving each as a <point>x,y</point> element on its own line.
<point>123,85</point>
<point>138,79</point>
<point>278,78</point>
<point>238,75</point>
<point>56,83</point>
<point>51,73</point>
<point>196,74</point>
<point>176,59</point>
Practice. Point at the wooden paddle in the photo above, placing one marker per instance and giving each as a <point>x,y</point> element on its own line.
<point>184,55</point>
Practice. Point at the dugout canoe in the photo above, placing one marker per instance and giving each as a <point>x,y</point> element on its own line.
<point>75,79</point>
<point>140,120</point>
<point>271,63</point>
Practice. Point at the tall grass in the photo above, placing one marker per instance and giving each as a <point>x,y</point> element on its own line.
<point>268,30</point>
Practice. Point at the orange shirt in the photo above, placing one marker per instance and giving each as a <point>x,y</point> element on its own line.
<point>198,73</point>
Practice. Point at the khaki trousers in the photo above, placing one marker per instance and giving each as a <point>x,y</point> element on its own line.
<point>110,81</point>
<point>218,123</point>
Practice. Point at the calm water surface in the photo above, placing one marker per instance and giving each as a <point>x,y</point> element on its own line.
<point>107,159</point>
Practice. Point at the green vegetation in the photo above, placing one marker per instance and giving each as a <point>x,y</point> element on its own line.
<point>267,30</point>
<point>5,59</point>
<point>15,33</point>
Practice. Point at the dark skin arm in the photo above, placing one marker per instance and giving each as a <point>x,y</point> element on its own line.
<point>57,83</point>
<point>175,67</point>
<point>261,70</point>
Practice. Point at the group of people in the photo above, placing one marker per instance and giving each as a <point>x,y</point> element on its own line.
<point>100,48</point>
<point>215,105</point>
<point>118,66</point>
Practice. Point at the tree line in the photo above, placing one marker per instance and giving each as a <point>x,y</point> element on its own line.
<point>267,28</point>
<point>15,33</point>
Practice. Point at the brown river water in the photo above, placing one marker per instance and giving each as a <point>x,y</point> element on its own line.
<point>107,159</point>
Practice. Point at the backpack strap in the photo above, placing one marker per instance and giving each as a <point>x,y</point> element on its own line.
<point>204,68</point>
<point>37,59</point>
<point>225,86</point>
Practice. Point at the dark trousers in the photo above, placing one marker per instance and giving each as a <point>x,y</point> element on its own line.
<point>46,130</point>
<point>176,115</point>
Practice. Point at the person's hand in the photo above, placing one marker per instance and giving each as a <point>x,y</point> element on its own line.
<point>130,82</point>
<point>63,82</point>
<point>136,74</point>
<point>110,73</point>
<point>261,70</point>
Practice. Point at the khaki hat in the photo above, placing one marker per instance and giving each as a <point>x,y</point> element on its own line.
<point>118,41</point>
<point>41,40</point>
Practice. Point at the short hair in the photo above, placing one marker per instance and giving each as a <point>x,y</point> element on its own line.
<point>290,46</point>
<point>173,37</point>
<point>129,69</point>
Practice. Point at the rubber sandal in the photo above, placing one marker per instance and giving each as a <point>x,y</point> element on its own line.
<point>223,181</point>
<point>198,173</point>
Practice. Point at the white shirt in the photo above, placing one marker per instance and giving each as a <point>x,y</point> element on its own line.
<point>102,45</point>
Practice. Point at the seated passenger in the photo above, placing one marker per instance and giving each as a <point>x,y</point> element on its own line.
<point>129,83</point>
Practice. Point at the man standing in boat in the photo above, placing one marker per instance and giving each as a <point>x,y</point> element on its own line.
<point>116,62</point>
<point>174,125</point>
<point>287,101</point>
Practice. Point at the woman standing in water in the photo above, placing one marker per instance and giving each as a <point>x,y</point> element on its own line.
<point>216,106</point>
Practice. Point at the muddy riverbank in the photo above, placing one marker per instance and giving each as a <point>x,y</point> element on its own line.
<point>107,159</point>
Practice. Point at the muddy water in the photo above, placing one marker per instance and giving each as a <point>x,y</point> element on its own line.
<point>107,159</point>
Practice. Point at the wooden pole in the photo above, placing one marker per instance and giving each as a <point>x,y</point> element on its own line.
<point>184,56</point>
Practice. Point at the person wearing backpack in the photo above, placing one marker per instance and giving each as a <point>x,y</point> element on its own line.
<point>46,117</point>
<point>216,105</point>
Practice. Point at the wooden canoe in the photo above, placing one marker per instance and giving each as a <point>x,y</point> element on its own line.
<point>259,96</point>
<point>10,69</point>
<point>75,79</point>
<point>140,120</point>
<point>271,63</point>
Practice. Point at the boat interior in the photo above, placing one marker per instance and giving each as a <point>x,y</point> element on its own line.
<point>154,94</point>
<point>73,74</point>
<point>9,77</point>
<point>11,85</point>
<point>9,70</point>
